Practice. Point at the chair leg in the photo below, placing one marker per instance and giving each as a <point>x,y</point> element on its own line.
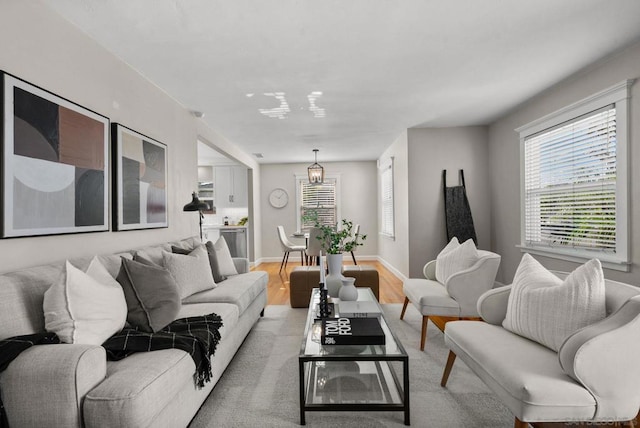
<point>519,424</point>
<point>447,369</point>
<point>286,261</point>
<point>404,308</point>
<point>284,256</point>
<point>425,318</point>
<point>301,258</point>
<point>354,258</point>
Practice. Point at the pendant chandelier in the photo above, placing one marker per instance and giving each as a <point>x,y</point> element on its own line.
<point>316,171</point>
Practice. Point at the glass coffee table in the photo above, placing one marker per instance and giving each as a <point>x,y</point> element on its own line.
<point>351,377</point>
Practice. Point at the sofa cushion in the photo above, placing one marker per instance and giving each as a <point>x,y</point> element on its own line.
<point>525,375</point>
<point>218,277</point>
<point>85,308</point>
<point>138,387</point>
<point>153,253</point>
<point>223,257</point>
<point>430,297</point>
<point>192,271</point>
<point>240,290</point>
<point>455,257</point>
<point>151,293</point>
<point>546,309</point>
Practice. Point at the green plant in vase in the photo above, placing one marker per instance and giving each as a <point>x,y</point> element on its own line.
<point>338,241</point>
<point>334,240</point>
<point>334,243</point>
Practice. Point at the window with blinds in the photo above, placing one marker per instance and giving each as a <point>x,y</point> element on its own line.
<point>387,223</point>
<point>570,184</point>
<point>320,199</point>
<point>575,179</point>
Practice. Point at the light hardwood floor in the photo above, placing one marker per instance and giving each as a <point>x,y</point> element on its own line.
<point>278,288</point>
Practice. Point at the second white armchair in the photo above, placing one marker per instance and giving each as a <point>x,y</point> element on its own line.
<point>457,298</point>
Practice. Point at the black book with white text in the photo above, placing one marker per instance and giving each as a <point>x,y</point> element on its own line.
<point>352,331</point>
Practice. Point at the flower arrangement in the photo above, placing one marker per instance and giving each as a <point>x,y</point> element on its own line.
<point>340,241</point>
<point>334,240</point>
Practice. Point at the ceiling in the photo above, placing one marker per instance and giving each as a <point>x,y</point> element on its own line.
<point>283,77</point>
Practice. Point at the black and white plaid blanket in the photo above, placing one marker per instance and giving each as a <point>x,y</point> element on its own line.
<point>199,336</point>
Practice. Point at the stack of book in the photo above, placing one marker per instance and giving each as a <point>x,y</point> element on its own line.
<point>359,309</point>
<point>352,331</point>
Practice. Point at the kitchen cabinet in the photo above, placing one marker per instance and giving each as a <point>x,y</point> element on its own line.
<point>230,184</point>
<point>206,188</point>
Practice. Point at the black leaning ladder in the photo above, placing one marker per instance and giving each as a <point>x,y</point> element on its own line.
<point>457,212</point>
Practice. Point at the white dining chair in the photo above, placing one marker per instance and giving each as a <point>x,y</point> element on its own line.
<point>287,247</point>
<point>314,246</point>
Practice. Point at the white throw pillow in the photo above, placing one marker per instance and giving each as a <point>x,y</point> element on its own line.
<point>85,308</point>
<point>546,309</point>
<point>454,258</point>
<point>223,255</point>
<point>192,272</point>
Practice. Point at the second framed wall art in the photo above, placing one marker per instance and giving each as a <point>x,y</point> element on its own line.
<point>140,180</point>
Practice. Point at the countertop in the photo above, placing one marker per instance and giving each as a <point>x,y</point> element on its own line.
<point>222,226</point>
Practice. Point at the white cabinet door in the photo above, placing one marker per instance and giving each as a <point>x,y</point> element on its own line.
<point>231,186</point>
<point>240,190</point>
<point>224,186</point>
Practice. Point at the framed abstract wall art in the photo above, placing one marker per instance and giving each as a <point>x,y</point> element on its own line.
<point>55,163</point>
<point>140,180</point>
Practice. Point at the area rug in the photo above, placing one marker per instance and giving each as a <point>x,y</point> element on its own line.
<point>260,386</point>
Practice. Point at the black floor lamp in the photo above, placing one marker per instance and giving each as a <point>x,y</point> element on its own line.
<point>196,205</point>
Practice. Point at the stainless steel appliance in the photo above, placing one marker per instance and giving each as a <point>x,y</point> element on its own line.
<point>236,240</point>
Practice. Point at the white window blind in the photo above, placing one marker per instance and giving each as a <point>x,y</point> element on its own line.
<point>387,223</point>
<point>570,184</point>
<point>318,198</point>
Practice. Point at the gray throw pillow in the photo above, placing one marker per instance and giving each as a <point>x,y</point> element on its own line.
<point>215,266</point>
<point>145,261</point>
<point>151,294</point>
<point>192,271</point>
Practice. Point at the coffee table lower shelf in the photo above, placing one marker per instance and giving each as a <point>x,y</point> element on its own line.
<point>353,383</point>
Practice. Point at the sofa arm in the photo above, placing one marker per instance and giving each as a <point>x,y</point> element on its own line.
<point>604,358</point>
<point>429,270</point>
<point>46,384</point>
<point>241,264</point>
<point>492,305</point>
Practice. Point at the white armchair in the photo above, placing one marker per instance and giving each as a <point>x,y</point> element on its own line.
<point>457,298</point>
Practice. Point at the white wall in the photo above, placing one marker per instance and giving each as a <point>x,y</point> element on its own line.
<point>504,160</point>
<point>358,199</point>
<point>430,151</point>
<point>43,49</point>
<point>394,253</point>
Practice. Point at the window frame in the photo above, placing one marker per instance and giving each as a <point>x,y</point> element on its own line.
<point>300,179</point>
<point>387,167</point>
<point>617,95</point>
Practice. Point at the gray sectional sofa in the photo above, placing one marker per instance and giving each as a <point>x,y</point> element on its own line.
<point>67,385</point>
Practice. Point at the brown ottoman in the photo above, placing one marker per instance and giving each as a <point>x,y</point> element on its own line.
<point>303,279</point>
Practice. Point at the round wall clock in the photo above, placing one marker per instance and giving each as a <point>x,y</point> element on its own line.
<point>278,198</point>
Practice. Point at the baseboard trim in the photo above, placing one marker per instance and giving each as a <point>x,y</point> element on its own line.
<point>391,268</point>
